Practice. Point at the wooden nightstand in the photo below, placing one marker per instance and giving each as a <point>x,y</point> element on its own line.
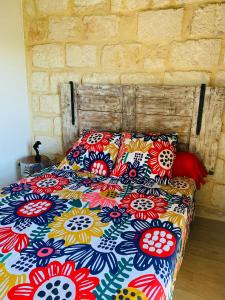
<point>27,165</point>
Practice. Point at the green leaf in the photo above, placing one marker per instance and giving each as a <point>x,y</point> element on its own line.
<point>113,282</point>
<point>115,231</point>
<point>75,203</point>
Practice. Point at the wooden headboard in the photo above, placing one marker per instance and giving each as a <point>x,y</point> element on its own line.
<point>141,108</point>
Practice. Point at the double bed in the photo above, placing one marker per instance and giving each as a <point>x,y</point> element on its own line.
<point>67,234</point>
<point>136,253</point>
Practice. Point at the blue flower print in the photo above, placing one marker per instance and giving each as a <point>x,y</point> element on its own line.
<point>152,243</point>
<point>115,214</point>
<point>95,257</point>
<point>76,155</point>
<point>39,253</point>
<point>16,189</point>
<point>33,208</point>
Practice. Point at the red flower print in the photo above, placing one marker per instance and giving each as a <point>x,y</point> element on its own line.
<point>48,183</point>
<point>101,199</point>
<point>119,169</point>
<point>56,279</point>
<point>162,156</point>
<point>95,141</point>
<point>143,206</point>
<point>10,240</point>
<point>103,186</point>
<point>150,286</point>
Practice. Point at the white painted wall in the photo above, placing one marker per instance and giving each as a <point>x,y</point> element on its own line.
<point>15,133</point>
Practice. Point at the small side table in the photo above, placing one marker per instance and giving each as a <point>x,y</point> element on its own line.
<point>28,166</point>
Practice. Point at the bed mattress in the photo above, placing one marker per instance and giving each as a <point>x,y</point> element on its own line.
<point>72,235</point>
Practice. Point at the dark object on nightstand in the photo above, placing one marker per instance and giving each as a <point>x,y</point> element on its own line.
<point>37,156</point>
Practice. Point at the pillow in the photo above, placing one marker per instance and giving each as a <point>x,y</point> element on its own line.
<point>145,157</point>
<point>187,164</point>
<point>95,152</point>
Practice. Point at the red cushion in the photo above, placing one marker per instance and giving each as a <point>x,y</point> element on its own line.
<point>68,151</point>
<point>187,164</point>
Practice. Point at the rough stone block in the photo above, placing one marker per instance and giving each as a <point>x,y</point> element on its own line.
<point>180,2</point>
<point>154,64</point>
<point>126,6</point>
<point>88,7</point>
<point>37,30</point>
<point>49,104</point>
<point>29,8</point>
<point>209,20</point>
<point>42,125</point>
<point>62,77</point>
<point>160,3</point>
<point>220,78</point>
<point>101,78</point>
<point>48,56</point>
<point>48,7</point>
<point>122,56</point>
<point>101,27</point>
<point>40,82</point>
<point>203,21</point>
<point>128,27</point>
<point>81,56</point>
<point>186,78</point>
<point>35,103</point>
<point>63,28</point>
<point>160,25</point>
<point>201,54</point>
<point>155,57</point>
<point>141,78</point>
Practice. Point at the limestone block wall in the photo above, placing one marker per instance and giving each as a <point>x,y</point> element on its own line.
<point>124,41</point>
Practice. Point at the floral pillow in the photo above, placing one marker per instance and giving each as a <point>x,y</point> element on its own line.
<point>145,158</point>
<point>95,152</point>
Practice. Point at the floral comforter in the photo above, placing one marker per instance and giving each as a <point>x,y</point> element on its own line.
<point>69,235</point>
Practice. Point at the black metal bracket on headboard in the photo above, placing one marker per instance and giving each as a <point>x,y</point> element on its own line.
<point>72,102</point>
<point>200,109</point>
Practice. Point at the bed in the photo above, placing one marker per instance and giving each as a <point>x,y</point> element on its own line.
<point>67,234</point>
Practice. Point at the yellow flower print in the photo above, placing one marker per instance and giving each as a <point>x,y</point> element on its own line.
<point>77,226</point>
<point>182,185</point>
<point>174,218</point>
<point>65,165</point>
<point>138,145</point>
<point>63,162</point>
<point>113,150</point>
<point>70,194</point>
<point>8,281</point>
<point>130,293</point>
<point>75,167</point>
<point>86,174</point>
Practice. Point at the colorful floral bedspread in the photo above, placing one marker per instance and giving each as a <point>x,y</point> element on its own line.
<point>67,235</point>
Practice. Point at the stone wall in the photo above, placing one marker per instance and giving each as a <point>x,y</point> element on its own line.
<point>124,41</point>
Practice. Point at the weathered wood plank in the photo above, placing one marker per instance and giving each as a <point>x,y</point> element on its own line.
<point>129,108</point>
<point>100,103</point>
<point>103,90</point>
<point>100,120</point>
<point>164,106</point>
<point>163,123</point>
<point>169,92</point>
<point>206,143</point>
